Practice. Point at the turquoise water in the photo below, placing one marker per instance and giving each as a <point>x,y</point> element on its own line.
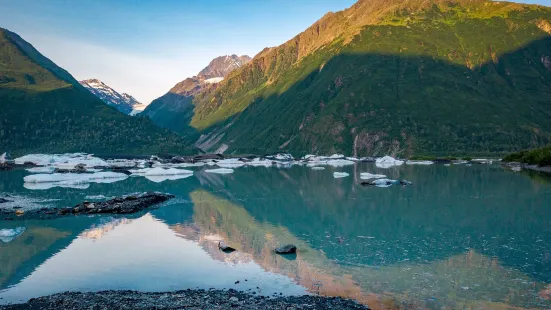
<point>461,237</point>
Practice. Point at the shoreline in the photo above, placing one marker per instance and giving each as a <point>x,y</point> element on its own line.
<point>187,299</point>
<point>515,165</point>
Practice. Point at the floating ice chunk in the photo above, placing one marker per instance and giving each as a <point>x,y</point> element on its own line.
<point>186,165</point>
<point>162,178</point>
<point>369,176</point>
<point>352,158</point>
<point>338,175</point>
<point>41,170</point>
<point>45,186</point>
<point>7,235</point>
<point>4,158</point>
<point>61,160</point>
<point>71,180</point>
<point>260,162</point>
<point>318,168</point>
<point>387,162</point>
<point>230,163</point>
<point>336,156</point>
<point>419,162</point>
<point>281,156</point>
<point>123,163</point>
<point>307,157</point>
<point>339,162</point>
<point>96,197</point>
<point>169,171</point>
<point>220,171</point>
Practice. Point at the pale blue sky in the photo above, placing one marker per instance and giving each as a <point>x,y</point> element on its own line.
<point>145,47</point>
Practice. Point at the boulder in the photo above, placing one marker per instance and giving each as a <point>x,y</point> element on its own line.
<point>224,247</point>
<point>286,249</point>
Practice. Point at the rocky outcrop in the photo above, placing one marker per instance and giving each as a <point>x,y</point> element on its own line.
<point>286,249</point>
<point>120,205</point>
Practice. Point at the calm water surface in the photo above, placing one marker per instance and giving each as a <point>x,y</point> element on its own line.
<point>462,237</point>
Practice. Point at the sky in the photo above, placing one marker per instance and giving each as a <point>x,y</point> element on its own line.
<point>144,47</point>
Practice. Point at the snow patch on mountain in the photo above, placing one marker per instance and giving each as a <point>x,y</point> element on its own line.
<point>122,102</point>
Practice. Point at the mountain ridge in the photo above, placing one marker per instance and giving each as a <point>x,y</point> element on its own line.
<point>490,40</point>
<point>44,109</point>
<point>122,102</point>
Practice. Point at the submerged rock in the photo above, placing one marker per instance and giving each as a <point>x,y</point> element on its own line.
<point>286,249</point>
<point>225,248</point>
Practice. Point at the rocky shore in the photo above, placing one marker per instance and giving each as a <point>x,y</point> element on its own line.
<point>121,205</point>
<point>516,166</point>
<point>189,299</point>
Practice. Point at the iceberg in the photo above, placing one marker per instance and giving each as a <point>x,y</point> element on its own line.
<point>339,162</point>
<point>62,160</point>
<point>71,180</point>
<point>161,171</point>
<point>352,158</point>
<point>281,157</point>
<point>260,162</point>
<point>385,182</point>
<point>387,162</point>
<point>220,171</point>
<point>369,176</point>
<point>7,235</point>
<point>318,168</point>
<point>338,175</point>
<point>162,178</point>
<point>336,156</point>
<point>4,158</point>
<point>41,170</point>
<point>230,163</point>
<point>419,162</point>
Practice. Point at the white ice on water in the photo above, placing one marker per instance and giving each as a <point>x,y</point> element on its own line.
<point>260,162</point>
<point>7,235</point>
<point>41,170</point>
<point>169,171</point>
<point>338,175</point>
<point>72,180</point>
<point>369,176</point>
<point>62,160</point>
<point>230,163</point>
<point>162,178</point>
<point>419,162</point>
<point>388,162</point>
<point>220,171</point>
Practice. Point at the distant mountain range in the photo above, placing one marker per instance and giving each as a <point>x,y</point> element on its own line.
<point>122,102</point>
<point>44,109</point>
<point>172,110</point>
<point>417,77</point>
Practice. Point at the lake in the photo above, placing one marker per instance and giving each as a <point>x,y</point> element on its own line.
<point>461,237</point>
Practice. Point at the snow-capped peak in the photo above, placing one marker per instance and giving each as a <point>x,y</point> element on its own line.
<point>123,102</point>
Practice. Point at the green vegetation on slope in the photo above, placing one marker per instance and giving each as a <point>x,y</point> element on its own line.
<point>43,109</point>
<point>540,157</point>
<point>404,78</point>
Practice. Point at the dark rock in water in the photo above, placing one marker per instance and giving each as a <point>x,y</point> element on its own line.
<point>120,170</point>
<point>224,247</point>
<point>367,184</point>
<point>286,249</point>
<point>120,205</point>
<point>29,164</point>
<point>405,183</point>
<point>2,200</point>
<point>5,166</point>
<point>80,168</point>
<point>208,157</point>
<point>181,160</point>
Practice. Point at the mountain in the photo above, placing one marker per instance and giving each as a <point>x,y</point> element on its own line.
<point>417,77</point>
<point>173,110</point>
<point>44,109</point>
<point>122,102</point>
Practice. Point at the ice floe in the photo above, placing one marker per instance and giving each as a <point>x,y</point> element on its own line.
<point>220,170</point>
<point>41,170</point>
<point>260,162</point>
<point>230,163</point>
<point>339,162</point>
<point>338,175</point>
<point>388,162</point>
<point>318,168</point>
<point>7,235</point>
<point>419,162</point>
<point>62,160</point>
<point>281,157</point>
<point>385,182</point>
<point>369,176</point>
<point>71,180</point>
<point>162,178</point>
<point>165,172</point>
